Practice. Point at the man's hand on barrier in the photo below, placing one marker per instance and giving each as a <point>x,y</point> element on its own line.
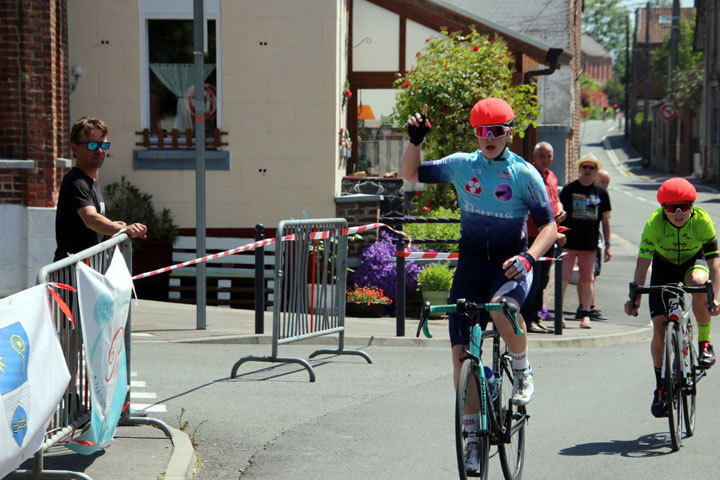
<point>136,230</point>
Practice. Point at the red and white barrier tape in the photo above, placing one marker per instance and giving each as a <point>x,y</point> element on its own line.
<point>268,241</point>
<point>450,256</point>
<point>313,236</point>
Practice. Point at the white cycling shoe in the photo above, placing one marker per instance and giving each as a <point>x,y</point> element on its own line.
<point>472,457</point>
<point>523,387</point>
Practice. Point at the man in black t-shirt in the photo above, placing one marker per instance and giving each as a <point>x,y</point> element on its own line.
<point>587,205</point>
<point>80,220</point>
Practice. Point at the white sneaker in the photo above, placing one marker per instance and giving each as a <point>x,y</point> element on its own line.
<point>472,456</point>
<point>523,387</point>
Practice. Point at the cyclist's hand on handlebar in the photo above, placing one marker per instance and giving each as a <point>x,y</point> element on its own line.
<point>518,265</point>
<point>716,308</point>
<point>630,310</point>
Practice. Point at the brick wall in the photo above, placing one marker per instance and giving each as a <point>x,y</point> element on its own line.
<point>361,212</point>
<point>34,81</point>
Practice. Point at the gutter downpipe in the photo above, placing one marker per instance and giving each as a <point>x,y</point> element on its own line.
<point>552,59</point>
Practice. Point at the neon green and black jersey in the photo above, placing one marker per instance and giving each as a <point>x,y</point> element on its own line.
<point>678,245</point>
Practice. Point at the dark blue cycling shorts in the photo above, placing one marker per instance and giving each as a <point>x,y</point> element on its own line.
<point>479,281</point>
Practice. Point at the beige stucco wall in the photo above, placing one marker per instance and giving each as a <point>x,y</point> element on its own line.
<point>280,106</point>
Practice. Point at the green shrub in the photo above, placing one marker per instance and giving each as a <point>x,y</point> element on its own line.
<point>124,201</point>
<point>436,230</point>
<point>436,277</point>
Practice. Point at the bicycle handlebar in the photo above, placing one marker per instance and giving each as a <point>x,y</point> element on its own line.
<point>635,290</point>
<point>468,308</point>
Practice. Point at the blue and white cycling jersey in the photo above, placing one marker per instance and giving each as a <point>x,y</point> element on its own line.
<point>495,197</point>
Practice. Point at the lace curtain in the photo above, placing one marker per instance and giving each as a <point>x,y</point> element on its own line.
<point>179,78</point>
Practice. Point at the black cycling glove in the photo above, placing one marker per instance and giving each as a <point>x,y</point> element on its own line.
<point>417,134</point>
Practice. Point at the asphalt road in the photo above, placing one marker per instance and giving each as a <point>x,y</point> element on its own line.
<point>393,419</point>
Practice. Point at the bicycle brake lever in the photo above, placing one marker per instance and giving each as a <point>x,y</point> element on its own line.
<point>710,294</point>
<point>423,324</point>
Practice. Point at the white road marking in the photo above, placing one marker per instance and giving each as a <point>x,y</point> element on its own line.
<point>146,395</point>
<point>146,407</point>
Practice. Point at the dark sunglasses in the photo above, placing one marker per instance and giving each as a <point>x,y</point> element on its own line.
<point>92,146</point>
<point>674,208</point>
<point>588,167</point>
<point>485,131</point>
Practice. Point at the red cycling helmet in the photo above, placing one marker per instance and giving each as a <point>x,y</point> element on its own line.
<point>676,190</point>
<point>491,111</point>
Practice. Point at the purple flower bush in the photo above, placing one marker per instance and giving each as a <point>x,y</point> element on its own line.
<point>377,268</point>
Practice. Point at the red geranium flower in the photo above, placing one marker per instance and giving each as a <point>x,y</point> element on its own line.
<point>492,40</point>
<point>476,48</point>
<point>417,54</point>
<point>406,84</point>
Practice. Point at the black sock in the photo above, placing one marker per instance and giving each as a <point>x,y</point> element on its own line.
<point>658,375</point>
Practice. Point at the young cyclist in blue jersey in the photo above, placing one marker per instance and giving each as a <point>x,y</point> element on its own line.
<point>496,191</point>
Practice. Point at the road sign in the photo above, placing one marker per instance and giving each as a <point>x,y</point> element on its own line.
<point>667,112</point>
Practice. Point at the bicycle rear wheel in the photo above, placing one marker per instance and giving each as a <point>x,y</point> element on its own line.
<point>673,386</point>
<point>690,390</point>
<point>469,384</point>
<point>512,417</point>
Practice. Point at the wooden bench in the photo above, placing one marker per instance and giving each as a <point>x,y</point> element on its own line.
<point>230,279</point>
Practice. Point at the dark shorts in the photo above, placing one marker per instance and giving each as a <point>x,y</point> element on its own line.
<point>479,281</point>
<point>664,273</point>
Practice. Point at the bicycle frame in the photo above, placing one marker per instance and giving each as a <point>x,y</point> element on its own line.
<point>677,313</point>
<point>477,336</point>
<point>679,372</point>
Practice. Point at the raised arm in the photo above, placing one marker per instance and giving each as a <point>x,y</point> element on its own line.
<point>418,126</point>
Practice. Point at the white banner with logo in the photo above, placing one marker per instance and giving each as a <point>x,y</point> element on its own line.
<point>33,375</point>
<point>104,302</point>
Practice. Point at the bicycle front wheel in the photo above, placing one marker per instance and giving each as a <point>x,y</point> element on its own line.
<point>690,389</point>
<point>512,419</point>
<point>673,385</point>
<point>467,398</point>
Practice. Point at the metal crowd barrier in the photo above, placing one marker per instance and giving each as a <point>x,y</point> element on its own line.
<point>73,412</point>
<point>309,295</point>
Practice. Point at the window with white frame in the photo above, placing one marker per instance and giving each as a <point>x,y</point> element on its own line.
<point>167,65</point>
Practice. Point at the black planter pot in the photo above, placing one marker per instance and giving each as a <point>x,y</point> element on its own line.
<point>365,310</point>
<point>151,256</point>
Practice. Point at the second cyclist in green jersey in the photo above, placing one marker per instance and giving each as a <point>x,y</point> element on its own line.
<point>679,241</point>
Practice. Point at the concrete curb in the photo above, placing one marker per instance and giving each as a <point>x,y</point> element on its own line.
<point>182,460</point>
<point>634,336</point>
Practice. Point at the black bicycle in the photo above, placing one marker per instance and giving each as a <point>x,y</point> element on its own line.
<point>680,372</point>
<point>501,422</point>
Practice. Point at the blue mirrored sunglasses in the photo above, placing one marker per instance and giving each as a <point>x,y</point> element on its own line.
<point>92,146</point>
<point>491,131</point>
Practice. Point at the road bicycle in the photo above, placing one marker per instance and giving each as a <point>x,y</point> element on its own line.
<point>501,423</point>
<point>680,371</point>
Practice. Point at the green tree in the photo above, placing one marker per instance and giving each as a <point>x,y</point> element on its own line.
<point>604,21</point>
<point>453,73</point>
<point>688,72</point>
